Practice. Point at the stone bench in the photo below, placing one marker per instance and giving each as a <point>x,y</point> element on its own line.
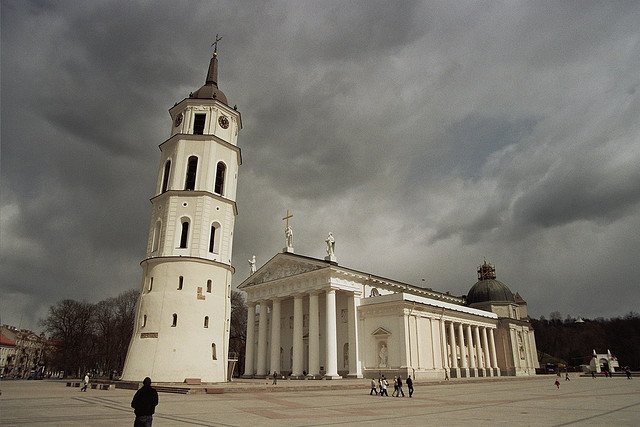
<point>106,386</point>
<point>217,390</point>
<point>193,381</point>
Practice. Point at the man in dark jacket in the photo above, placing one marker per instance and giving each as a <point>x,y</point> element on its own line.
<point>144,404</point>
<point>410,385</point>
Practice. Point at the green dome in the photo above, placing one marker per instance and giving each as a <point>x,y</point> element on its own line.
<point>489,290</point>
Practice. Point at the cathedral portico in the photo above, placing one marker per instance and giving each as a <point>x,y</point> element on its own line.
<point>337,322</point>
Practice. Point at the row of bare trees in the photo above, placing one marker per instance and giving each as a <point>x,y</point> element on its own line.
<point>573,341</point>
<point>91,337</point>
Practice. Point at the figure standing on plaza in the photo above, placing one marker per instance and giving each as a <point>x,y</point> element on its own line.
<point>557,383</point>
<point>374,388</point>
<point>144,404</point>
<point>85,383</point>
<point>410,385</point>
<point>400,391</point>
<point>275,378</point>
<point>384,384</point>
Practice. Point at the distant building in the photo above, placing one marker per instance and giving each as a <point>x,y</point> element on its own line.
<point>22,352</point>
<point>603,362</point>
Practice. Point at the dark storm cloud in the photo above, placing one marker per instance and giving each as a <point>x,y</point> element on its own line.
<point>426,136</point>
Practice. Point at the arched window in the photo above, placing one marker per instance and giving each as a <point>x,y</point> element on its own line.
<point>221,170</point>
<point>156,237</point>
<point>144,320</point>
<point>192,168</point>
<point>165,177</point>
<point>209,285</point>
<point>150,287</point>
<point>184,235</point>
<point>180,282</point>
<point>175,320</point>
<point>213,351</point>
<point>206,321</point>
<point>214,238</point>
<point>198,123</point>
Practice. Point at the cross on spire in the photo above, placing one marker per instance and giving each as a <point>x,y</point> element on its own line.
<point>286,218</point>
<point>215,44</point>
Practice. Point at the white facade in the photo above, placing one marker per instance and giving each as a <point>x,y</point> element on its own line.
<point>182,318</point>
<point>312,317</point>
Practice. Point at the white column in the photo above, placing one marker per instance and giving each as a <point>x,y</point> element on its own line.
<point>492,351</point>
<point>444,354</point>
<point>478,345</point>
<point>528,363</point>
<point>275,336</point>
<point>472,362</point>
<point>515,351</point>
<point>332,344</point>
<point>452,344</point>
<point>534,349</point>
<point>485,348</point>
<point>251,324</point>
<point>463,353</point>
<point>355,369</point>
<point>314,335</point>
<point>261,369</point>
<point>433,343</point>
<point>298,345</point>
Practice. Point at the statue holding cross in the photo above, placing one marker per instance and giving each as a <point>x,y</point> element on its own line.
<point>215,44</point>
<point>288,233</point>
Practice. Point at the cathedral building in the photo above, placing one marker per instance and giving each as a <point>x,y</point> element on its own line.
<point>182,318</point>
<point>314,318</point>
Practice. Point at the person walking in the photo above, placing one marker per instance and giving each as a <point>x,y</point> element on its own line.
<point>395,387</point>
<point>275,378</point>
<point>374,387</point>
<point>410,385</point>
<point>384,384</point>
<point>557,383</point>
<point>400,387</point>
<point>566,376</point>
<point>85,383</point>
<point>144,404</point>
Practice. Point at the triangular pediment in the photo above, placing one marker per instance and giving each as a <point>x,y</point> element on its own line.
<point>381,332</point>
<point>282,266</point>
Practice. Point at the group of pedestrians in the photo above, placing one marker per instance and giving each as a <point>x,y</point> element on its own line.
<point>380,387</point>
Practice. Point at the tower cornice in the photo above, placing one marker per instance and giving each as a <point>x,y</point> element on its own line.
<point>158,259</point>
<point>196,193</point>
<point>191,137</point>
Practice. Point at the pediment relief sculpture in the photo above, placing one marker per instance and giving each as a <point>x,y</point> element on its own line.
<point>285,269</point>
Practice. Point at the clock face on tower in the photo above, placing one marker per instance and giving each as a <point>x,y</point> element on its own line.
<point>223,121</point>
<point>178,120</point>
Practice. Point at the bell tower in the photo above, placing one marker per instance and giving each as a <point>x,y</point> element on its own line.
<point>183,313</point>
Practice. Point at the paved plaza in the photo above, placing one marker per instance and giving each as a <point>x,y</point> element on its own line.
<point>510,401</point>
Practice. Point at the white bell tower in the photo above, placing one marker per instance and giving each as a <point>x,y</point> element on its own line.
<point>183,314</point>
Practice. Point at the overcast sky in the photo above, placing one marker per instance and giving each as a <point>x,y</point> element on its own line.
<point>426,136</point>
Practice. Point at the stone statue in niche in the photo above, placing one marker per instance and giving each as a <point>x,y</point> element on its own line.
<point>520,345</point>
<point>383,355</point>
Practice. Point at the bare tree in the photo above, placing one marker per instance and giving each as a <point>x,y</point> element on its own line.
<point>238,329</point>
<point>69,322</point>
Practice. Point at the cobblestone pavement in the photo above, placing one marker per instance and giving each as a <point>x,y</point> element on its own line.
<point>527,401</point>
